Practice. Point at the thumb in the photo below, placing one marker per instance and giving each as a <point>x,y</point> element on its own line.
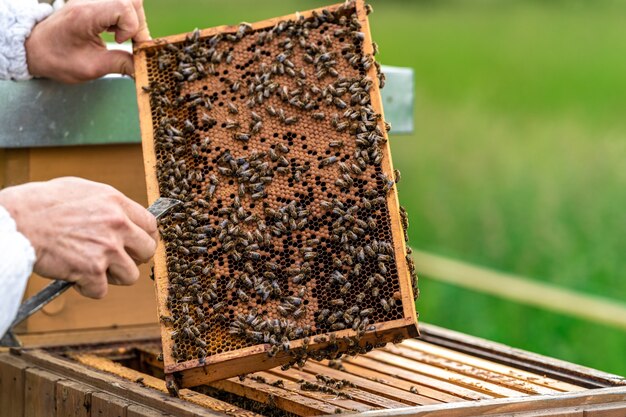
<point>116,62</point>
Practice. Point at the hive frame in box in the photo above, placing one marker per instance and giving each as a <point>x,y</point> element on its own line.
<point>253,358</point>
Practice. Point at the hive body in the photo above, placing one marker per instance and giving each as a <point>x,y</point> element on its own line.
<point>290,243</point>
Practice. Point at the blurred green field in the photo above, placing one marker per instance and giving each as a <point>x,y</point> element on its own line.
<point>518,158</point>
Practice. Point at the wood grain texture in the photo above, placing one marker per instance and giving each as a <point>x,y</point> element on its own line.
<point>525,407</point>
<point>152,188</point>
<point>73,399</point>
<point>106,405</point>
<point>395,382</point>
<point>539,364</point>
<point>526,386</point>
<point>128,334</point>
<point>40,392</point>
<point>397,397</point>
<point>483,364</point>
<point>102,381</point>
<point>416,379</point>
<point>357,400</point>
<point>140,411</point>
<point>606,410</point>
<point>12,385</point>
<point>143,380</point>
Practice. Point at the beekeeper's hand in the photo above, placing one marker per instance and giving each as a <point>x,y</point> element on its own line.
<point>67,46</point>
<point>83,232</point>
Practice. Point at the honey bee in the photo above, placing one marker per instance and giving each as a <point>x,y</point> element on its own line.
<point>232,108</point>
<point>242,296</point>
<point>256,128</point>
<point>242,137</point>
<point>298,313</point>
<point>271,111</point>
<point>290,120</point>
<point>337,302</point>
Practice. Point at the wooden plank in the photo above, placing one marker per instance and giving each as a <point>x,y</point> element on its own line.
<point>283,398</point>
<point>521,406</point>
<point>152,188</point>
<point>606,410</point>
<point>106,405</point>
<point>73,399</point>
<point>295,376</point>
<point>418,379</point>
<point>292,400</point>
<point>12,385</point>
<point>521,385</point>
<point>39,392</point>
<point>16,167</point>
<point>540,364</point>
<point>254,358</point>
<point>118,386</point>
<point>397,398</point>
<point>2,168</point>
<point>561,412</point>
<point>142,379</point>
<point>86,336</point>
<point>593,410</point>
<point>444,375</point>
<point>140,411</point>
<point>404,386</point>
<point>490,365</point>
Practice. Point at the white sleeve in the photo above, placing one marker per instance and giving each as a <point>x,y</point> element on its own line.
<point>17,258</point>
<point>17,18</point>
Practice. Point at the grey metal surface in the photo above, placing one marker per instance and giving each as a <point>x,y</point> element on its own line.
<point>398,99</point>
<point>42,113</point>
<point>46,113</point>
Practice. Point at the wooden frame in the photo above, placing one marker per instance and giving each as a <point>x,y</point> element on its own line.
<point>254,358</point>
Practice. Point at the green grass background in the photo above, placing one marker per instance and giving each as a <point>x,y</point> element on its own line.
<point>518,159</point>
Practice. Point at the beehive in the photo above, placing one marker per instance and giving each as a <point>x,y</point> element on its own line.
<point>290,243</point>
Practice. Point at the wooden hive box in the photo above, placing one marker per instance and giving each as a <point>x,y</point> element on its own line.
<point>441,374</point>
<point>290,242</point>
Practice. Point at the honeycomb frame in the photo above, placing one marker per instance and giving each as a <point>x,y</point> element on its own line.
<point>254,357</point>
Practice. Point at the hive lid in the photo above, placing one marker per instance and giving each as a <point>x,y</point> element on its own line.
<point>291,242</point>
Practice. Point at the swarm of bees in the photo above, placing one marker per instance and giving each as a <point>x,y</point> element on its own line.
<point>270,139</point>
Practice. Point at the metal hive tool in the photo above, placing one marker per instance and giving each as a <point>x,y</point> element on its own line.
<point>290,243</point>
